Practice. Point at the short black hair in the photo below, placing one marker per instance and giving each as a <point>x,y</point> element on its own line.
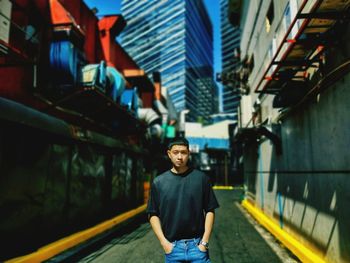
<point>178,141</point>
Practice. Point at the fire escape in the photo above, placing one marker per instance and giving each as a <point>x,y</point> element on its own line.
<point>301,66</point>
<point>301,54</point>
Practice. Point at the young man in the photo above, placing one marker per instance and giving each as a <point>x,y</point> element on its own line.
<point>181,208</point>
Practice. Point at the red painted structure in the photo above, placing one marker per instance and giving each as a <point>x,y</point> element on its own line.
<point>25,68</point>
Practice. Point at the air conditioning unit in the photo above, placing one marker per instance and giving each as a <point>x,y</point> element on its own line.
<point>94,76</point>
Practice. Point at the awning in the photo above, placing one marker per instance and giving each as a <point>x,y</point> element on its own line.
<point>254,133</point>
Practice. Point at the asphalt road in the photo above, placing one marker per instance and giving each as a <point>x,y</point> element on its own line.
<point>236,238</point>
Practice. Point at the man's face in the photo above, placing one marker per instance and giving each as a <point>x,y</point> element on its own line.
<point>179,155</point>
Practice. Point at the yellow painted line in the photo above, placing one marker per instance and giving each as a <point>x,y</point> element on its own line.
<point>63,244</point>
<point>222,187</point>
<point>300,250</point>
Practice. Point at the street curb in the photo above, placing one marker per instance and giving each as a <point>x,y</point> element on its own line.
<point>304,253</point>
<point>63,244</point>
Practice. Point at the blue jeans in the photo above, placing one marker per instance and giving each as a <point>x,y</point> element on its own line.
<point>186,250</point>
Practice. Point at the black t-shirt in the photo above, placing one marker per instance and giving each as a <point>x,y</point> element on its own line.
<point>181,201</point>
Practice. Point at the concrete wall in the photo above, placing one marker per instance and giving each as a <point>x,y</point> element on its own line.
<point>309,183</point>
<point>51,188</point>
<point>306,188</point>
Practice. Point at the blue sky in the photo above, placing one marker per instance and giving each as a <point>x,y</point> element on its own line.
<point>106,7</point>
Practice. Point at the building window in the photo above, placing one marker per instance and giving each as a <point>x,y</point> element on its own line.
<point>287,17</point>
<point>269,17</point>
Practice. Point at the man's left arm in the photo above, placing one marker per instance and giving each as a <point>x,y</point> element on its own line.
<point>210,204</point>
<point>208,227</point>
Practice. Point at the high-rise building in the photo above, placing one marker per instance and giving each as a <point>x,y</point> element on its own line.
<point>230,40</point>
<point>174,38</point>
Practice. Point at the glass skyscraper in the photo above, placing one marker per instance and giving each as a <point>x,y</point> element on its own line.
<point>230,40</point>
<point>175,38</point>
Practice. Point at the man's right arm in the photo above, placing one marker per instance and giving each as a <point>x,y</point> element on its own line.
<point>157,228</point>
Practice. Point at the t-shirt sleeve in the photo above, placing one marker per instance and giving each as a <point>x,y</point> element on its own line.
<point>210,201</point>
<point>153,201</point>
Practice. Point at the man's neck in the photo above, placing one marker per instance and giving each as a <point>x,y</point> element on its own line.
<point>179,170</point>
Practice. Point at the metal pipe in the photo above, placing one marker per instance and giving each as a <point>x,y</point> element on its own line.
<point>17,113</point>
